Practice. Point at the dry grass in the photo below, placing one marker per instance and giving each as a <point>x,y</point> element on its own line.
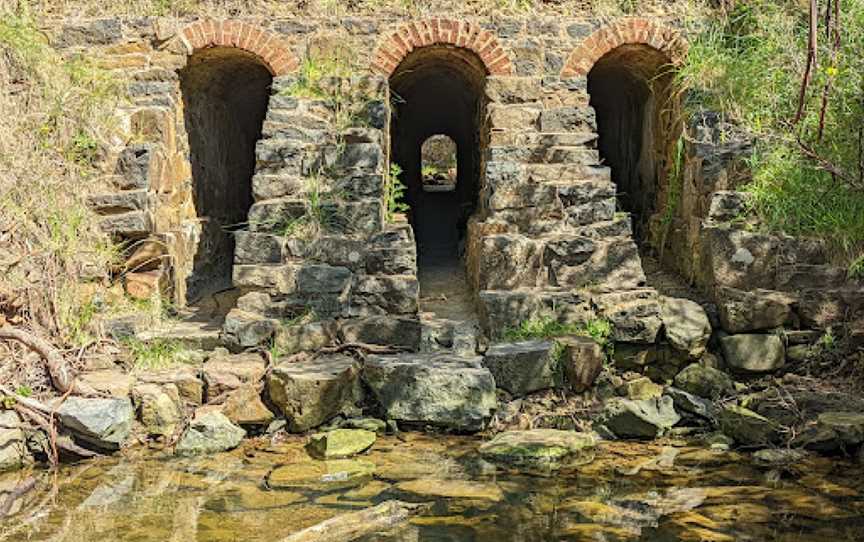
<point>54,114</point>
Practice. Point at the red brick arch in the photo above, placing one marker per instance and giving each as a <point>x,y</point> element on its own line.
<point>393,49</point>
<point>266,45</point>
<point>634,30</point>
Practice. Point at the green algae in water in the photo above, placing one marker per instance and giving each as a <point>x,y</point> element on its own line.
<point>702,495</point>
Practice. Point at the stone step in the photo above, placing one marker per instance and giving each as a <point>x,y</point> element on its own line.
<point>444,335</point>
<point>192,335</point>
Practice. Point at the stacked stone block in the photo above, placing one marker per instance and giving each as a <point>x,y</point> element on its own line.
<point>548,240</point>
<point>317,246</point>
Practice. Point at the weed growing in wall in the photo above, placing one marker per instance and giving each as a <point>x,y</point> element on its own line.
<point>548,327</point>
<point>394,193</point>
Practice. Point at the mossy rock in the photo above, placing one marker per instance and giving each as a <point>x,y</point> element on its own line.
<point>540,448</point>
<point>340,443</point>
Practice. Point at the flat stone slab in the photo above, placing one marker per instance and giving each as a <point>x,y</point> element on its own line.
<point>452,489</point>
<point>310,393</point>
<point>340,443</point>
<point>523,367</point>
<point>440,389</point>
<point>544,448</point>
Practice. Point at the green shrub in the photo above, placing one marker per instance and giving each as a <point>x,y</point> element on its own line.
<point>748,65</point>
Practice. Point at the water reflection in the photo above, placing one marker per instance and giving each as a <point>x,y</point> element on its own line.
<point>265,491</point>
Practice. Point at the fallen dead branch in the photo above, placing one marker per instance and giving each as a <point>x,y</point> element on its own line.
<point>363,347</point>
<point>61,376</point>
<point>355,525</point>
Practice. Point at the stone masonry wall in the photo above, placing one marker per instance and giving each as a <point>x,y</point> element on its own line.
<point>546,236</point>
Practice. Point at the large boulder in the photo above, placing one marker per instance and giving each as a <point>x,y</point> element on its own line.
<point>309,393</point>
<point>704,381</point>
<point>13,441</point>
<point>833,431</point>
<point>581,360</point>
<point>101,423</point>
<point>646,418</point>
<point>753,353</point>
<point>539,448</point>
<point>211,432</point>
<point>634,314</point>
<point>747,427</point>
<point>245,407</point>
<point>686,324</point>
<point>523,367</point>
<point>225,372</point>
<point>186,379</point>
<point>743,311</point>
<point>450,391</point>
<point>159,407</point>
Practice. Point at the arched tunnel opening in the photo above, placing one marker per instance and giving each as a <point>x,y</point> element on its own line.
<point>438,94</point>
<point>630,90</point>
<point>225,96</point>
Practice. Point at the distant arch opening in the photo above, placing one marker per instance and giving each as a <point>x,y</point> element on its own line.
<point>637,122</point>
<point>439,167</point>
<point>225,96</point>
<point>438,94</point>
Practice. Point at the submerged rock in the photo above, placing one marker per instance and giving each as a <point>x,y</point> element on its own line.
<point>523,367</point>
<point>340,443</point>
<point>747,427</point>
<point>777,457</point>
<point>686,324</point>
<point>452,489</point>
<point>539,448</point>
<point>704,381</point>
<point>321,475</point>
<point>647,418</point>
<point>450,391</point>
<point>103,423</point>
<point>753,353</point>
<point>209,433</point>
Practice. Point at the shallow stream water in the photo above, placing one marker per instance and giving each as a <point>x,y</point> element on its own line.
<point>265,491</point>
